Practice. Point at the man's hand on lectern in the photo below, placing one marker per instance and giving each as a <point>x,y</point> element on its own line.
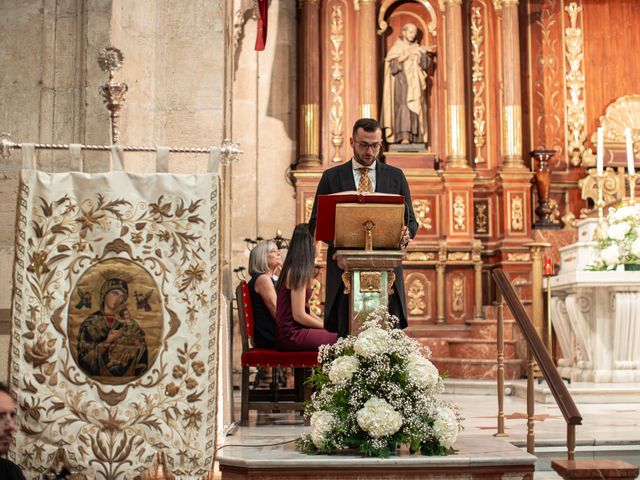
<point>406,238</point>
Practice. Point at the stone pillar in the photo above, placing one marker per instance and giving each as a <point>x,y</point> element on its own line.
<point>511,127</point>
<point>456,137</point>
<point>309,115</point>
<point>367,59</point>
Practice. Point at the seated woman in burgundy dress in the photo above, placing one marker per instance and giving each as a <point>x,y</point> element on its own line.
<point>297,327</point>
<point>264,263</point>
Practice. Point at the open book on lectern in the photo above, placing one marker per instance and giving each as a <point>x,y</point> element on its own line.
<point>342,216</point>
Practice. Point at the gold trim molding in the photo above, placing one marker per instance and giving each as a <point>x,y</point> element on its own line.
<point>575,81</point>
<point>478,84</point>
<point>336,114</point>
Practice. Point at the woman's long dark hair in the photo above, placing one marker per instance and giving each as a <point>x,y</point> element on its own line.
<point>298,267</point>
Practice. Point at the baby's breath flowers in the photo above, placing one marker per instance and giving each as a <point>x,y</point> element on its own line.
<point>378,390</point>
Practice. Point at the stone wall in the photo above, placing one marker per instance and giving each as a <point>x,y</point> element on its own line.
<point>185,89</point>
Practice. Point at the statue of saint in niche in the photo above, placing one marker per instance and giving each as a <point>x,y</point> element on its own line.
<point>404,101</point>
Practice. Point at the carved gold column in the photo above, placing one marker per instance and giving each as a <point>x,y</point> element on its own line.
<point>511,127</point>
<point>367,60</point>
<point>440,282</point>
<point>456,138</point>
<point>309,115</point>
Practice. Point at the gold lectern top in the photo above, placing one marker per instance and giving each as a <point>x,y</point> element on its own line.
<point>369,225</point>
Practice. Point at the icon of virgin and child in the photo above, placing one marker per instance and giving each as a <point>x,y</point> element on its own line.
<point>110,341</point>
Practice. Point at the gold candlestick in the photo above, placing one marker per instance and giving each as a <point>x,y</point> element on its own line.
<point>632,187</point>
<point>600,233</point>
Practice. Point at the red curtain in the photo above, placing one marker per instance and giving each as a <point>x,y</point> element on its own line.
<point>261,37</point>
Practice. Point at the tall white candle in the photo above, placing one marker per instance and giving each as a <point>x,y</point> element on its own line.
<point>600,152</point>
<point>630,161</point>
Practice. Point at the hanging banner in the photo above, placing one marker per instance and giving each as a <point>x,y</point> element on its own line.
<point>115,321</point>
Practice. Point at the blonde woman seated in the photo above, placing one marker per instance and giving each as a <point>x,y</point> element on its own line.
<point>297,327</point>
<point>264,263</point>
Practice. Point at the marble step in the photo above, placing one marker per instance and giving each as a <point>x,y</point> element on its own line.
<point>488,328</point>
<point>480,369</point>
<point>471,348</point>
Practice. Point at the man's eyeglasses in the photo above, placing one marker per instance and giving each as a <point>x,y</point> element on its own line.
<point>366,146</point>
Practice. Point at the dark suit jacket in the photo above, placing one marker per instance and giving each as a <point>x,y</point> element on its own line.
<point>340,179</point>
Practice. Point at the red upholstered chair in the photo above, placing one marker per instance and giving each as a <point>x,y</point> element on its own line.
<point>275,399</point>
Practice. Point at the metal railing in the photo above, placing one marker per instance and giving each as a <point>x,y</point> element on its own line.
<point>535,350</point>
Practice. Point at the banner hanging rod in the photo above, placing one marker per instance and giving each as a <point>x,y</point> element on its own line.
<point>228,151</point>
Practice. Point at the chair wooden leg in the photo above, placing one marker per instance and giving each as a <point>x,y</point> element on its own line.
<point>244,399</point>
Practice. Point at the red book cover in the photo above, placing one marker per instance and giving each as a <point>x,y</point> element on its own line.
<point>326,214</point>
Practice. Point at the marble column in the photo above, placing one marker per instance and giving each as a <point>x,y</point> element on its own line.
<point>367,59</point>
<point>511,127</point>
<point>309,114</point>
<point>454,60</point>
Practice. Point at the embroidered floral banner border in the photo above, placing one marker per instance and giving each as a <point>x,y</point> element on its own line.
<point>115,321</point>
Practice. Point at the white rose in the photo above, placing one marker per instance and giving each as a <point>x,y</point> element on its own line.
<point>371,342</point>
<point>635,247</point>
<point>421,371</point>
<point>624,213</point>
<point>343,368</point>
<point>610,255</point>
<point>445,426</point>
<point>618,231</point>
<point>378,418</point>
<point>321,423</point>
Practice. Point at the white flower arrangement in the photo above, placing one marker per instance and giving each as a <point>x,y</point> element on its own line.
<point>621,246</point>
<point>376,391</point>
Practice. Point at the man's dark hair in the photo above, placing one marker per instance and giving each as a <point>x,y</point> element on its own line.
<point>367,124</point>
<point>5,389</point>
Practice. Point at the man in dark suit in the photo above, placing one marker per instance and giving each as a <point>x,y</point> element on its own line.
<point>8,469</point>
<point>370,174</point>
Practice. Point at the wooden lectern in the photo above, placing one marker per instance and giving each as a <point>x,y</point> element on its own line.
<point>367,231</point>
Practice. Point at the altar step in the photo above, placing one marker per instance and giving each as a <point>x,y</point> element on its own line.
<point>473,353</point>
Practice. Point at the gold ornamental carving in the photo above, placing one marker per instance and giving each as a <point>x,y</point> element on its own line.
<point>459,256</point>
<point>336,114</point>
<point>457,290</point>
<point>519,257</point>
<point>623,113</point>
<point>497,4</point>
<point>314,300</point>
<point>548,85</point>
<point>459,213</point>
<point>613,187</point>
<point>370,282</point>
<point>418,295</point>
<point>517,214</point>
<point>478,84</point>
<point>308,208</point>
<point>575,81</point>
<point>481,217</point>
<point>346,279</point>
<point>419,256</point>
<point>391,279</point>
<point>422,209</point>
